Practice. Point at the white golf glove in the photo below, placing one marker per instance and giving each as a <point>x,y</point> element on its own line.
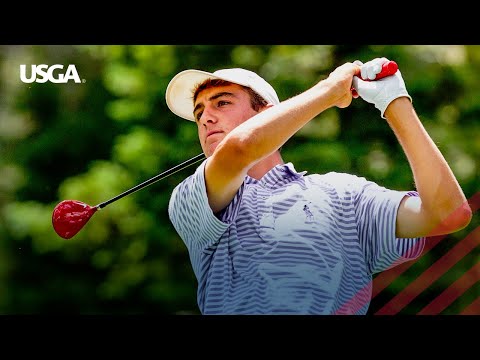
<point>379,92</point>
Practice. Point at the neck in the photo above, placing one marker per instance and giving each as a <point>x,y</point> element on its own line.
<point>258,170</point>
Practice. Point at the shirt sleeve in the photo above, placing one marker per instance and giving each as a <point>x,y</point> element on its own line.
<point>376,210</point>
<point>191,215</point>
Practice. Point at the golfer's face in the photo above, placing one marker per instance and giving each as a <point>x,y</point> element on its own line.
<point>218,110</point>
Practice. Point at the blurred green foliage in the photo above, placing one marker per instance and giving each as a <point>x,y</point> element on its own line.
<point>93,140</point>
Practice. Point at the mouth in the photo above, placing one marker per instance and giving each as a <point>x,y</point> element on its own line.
<point>212,132</point>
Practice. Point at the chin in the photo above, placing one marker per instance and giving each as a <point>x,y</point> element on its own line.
<point>210,150</point>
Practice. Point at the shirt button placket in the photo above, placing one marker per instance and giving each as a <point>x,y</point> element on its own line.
<point>266,216</point>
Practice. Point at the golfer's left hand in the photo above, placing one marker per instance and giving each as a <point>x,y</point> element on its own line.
<point>379,92</point>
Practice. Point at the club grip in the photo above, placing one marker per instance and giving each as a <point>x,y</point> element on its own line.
<point>388,68</point>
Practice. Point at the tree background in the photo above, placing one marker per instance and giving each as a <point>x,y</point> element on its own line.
<point>94,140</point>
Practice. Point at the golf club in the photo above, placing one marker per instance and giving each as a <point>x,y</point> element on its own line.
<point>69,216</point>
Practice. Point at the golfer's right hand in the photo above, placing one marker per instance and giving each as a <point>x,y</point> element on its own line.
<point>340,81</point>
<point>379,92</point>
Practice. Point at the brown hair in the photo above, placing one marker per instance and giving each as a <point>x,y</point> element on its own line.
<point>256,101</point>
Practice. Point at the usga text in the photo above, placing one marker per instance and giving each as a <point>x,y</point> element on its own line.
<point>43,73</point>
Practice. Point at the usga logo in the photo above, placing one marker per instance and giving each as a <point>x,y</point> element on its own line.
<point>43,73</point>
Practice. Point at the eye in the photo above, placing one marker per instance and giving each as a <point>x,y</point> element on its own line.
<point>223,102</point>
<point>198,115</point>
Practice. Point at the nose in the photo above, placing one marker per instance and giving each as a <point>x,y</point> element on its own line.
<point>208,116</point>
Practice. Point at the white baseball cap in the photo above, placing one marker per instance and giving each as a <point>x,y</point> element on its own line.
<point>179,93</point>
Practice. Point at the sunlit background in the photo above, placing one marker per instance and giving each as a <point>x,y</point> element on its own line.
<point>92,140</point>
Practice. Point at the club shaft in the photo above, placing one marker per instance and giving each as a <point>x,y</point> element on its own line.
<point>154,179</point>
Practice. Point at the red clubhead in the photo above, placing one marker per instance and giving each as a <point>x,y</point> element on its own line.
<point>69,216</point>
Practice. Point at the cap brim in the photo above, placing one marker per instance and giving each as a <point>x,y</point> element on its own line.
<point>179,93</point>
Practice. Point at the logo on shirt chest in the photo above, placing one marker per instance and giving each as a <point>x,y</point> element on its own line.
<point>302,215</point>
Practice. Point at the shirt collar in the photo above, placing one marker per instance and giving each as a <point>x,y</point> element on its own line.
<point>279,174</point>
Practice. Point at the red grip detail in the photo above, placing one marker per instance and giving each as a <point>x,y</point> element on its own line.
<point>388,68</point>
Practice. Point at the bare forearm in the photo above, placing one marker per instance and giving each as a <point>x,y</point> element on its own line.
<point>270,129</point>
<point>266,132</point>
<point>440,193</point>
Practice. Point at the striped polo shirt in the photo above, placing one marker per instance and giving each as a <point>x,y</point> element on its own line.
<point>290,243</point>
